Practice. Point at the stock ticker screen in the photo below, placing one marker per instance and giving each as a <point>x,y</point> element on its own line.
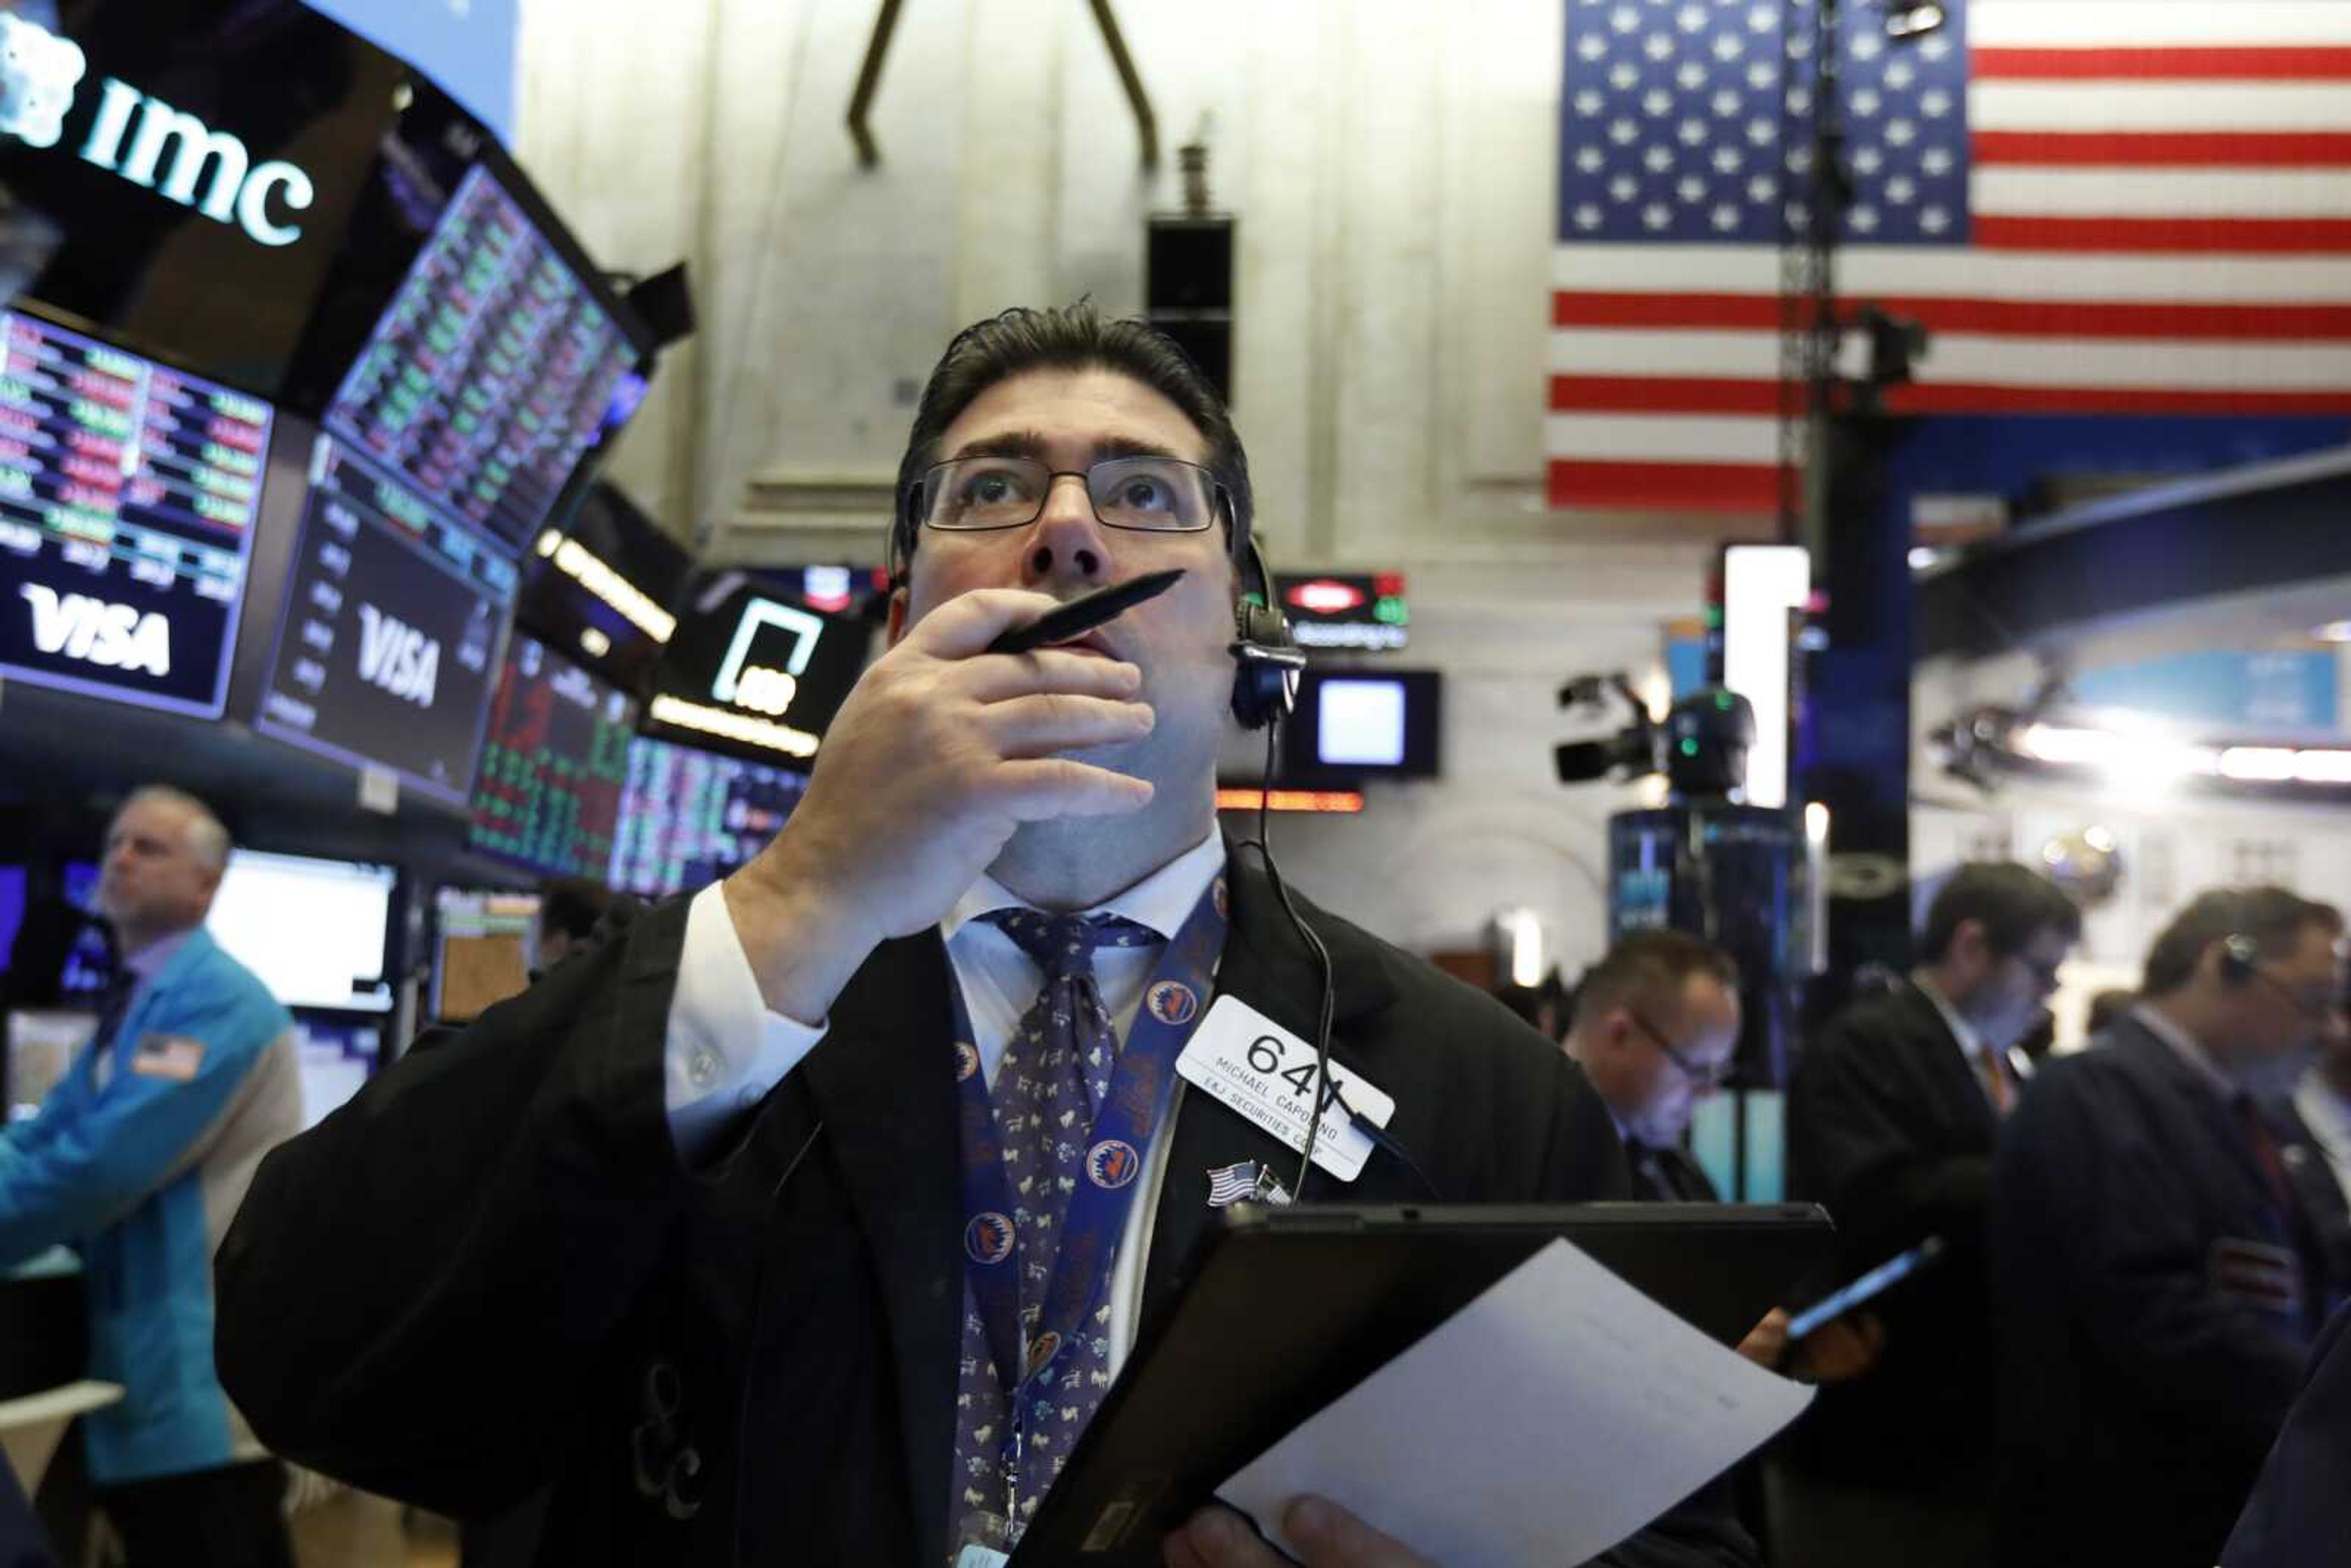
<point>494,372</point>
<point>554,762</point>
<point>688,817</point>
<point>127,500</point>
<point>388,643</point>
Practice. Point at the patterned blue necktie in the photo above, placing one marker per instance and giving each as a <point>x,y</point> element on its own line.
<point>1054,1075</point>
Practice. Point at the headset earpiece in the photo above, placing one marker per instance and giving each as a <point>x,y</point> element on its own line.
<point>2238,957</point>
<point>1266,660</point>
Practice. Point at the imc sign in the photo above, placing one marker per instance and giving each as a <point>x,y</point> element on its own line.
<point>144,140</point>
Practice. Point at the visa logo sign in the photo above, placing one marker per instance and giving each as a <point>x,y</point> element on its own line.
<point>91,631</point>
<point>397,657</point>
<point>39,73</point>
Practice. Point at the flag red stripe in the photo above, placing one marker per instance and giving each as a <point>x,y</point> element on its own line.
<point>1666,487</point>
<point>1704,395</point>
<point>2230,236</point>
<point>2283,62</point>
<point>2164,149</point>
<point>2283,322</point>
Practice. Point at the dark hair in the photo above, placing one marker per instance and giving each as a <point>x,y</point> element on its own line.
<point>2272,918</point>
<point>1649,964</point>
<point>572,906</point>
<point>1071,338</point>
<point>2013,902</point>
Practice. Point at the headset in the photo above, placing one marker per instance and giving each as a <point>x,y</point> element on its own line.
<point>1266,658</point>
<point>2240,956</point>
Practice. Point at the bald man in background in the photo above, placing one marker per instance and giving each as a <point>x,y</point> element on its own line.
<point>138,1160</point>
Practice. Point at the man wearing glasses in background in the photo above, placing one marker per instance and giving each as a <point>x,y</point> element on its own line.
<point>2154,1299</point>
<point>1892,1115</point>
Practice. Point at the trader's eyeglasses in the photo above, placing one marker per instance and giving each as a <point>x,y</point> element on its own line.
<point>1705,1075</point>
<point>1152,494</point>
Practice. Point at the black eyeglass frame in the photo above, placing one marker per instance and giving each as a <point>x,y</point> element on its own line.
<point>1706,1077</point>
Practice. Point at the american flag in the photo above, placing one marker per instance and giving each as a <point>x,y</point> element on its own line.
<point>1231,1184</point>
<point>2096,206</point>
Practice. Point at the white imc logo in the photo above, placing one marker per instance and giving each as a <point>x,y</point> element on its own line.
<point>92,632</point>
<point>398,657</point>
<point>758,688</point>
<point>39,74</point>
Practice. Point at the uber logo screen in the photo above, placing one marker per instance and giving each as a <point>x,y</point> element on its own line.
<point>394,621</point>
<point>126,501</point>
<point>755,668</point>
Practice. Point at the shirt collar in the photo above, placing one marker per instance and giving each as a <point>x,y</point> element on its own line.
<point>1972,1044</point>
<point>2327,1113</point>
<point>1162,901</point>
<point>149,961</point>
<point>2186,1047</point>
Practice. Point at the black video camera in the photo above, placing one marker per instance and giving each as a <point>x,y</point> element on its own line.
<point>1701,747</point>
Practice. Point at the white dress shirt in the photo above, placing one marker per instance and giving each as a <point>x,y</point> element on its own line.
<point>726,1049</point>
<point>2327,1113</point>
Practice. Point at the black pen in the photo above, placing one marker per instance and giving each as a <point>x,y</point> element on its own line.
<point>1080,616</point>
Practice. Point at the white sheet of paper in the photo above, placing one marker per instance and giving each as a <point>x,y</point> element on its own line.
<point>1545,1422</point>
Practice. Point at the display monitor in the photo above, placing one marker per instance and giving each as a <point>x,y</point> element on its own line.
<point>337,1056</point>
<point>554,762</point>
<point>690,817</point>
<point>484,943</point>
<point>755,668</point>
<point>605,588</point>
<point>191,166</point>
<point>41,1046</point>
<point>1364,610</point>
<point>317,932</point>
<point>128,495</point>
<point>393,622</point>
<point>1357,724</point>
<point>501,366</point>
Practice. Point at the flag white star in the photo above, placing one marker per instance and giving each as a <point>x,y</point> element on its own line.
<point>1935,48</point>
<point>1587,215</point>
<point>1900,190</point>
<point>1690,75</point>
<point>1934,220</point>
<point>1624,75</point>
<point>1761,75</point>
<point>1900,75</point>
<point>1799,101</point>
<point>1762,19</point>
<point>1658,160</point>
<point>1727,102</point>
<point>1690,189</point>
<point>1589,101</point>
<point>1623,188</point>
<point>1728,160</point>
<point>1763,188</point>
<point>1658,103</point>
<point>1799,216</point>
<point>1624,132</point>
<point>1800,160</point>
<point>1936,160</point>
<point>1762,132</point>
<point>1692,133</point>
<point>1624,18</point>
<point>1867,159</point>
<point>1658,47</point>
<point>1589,159</point>
<point>1866,45</point>
<point>1726,217</point>
<point>1864,219</point>
<point>1934,103</point>
<point>1656,215</point>
<point>1692,18</point>
<point>1727,47</point>
<point>1866,101</point>
<point>1900,133</point>
<point>1591,47</point>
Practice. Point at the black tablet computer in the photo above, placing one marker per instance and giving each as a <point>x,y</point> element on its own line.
<point>1282,1310</point>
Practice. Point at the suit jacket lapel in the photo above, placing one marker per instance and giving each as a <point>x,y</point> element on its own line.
<point>1962,1082</point>
<point>883,1081</point>
<point>1266,966</point>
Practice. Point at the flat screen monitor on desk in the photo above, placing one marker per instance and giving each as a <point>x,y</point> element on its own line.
<point>317,932</point>
<point>41,1046</point>
<point>395,618</point>
<point>482,949</point>
<point>337,1055</point>
<point>128,497</point>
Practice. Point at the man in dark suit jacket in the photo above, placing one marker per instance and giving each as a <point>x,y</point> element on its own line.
<point>681,1232</point>
<point>2153,1310</point>
<point>1891,1117</point>
<point>2300,1512</point>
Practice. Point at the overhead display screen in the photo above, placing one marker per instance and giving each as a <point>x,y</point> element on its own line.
<point>494,370</point>
<point>603,589</point>
<point>554,762</point>
<point>688,817</point>
<point>754,669</point>
<point>393,622</point>
<point>126,499</point>
<point>184,170</point>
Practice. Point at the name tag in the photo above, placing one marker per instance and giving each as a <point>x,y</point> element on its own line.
<point>1252,1065</point>
<point>980,1557</point>
<point>170,1056</point>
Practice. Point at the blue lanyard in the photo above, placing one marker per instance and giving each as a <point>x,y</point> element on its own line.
<point>1140,1091</point>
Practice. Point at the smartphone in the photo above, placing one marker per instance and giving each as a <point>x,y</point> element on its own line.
<point>1891,1272</point>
